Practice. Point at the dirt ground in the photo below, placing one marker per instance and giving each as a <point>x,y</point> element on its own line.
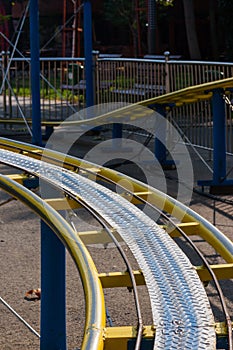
<point>20,272</point>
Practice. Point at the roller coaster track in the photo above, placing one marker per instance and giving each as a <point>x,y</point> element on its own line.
<point>177,98</point>
<point>182,317</point>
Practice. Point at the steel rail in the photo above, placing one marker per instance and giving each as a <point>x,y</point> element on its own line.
<point>129,268</point>
<point>95,308</point>
<point>205,263</point>
<point>228,321</point>
<point>139,239</point>
<point>138,197</point>
<point>207,231</point>
<point>194,247</point>
<point>108,228</point>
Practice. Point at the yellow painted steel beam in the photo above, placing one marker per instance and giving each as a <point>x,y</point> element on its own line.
<point>20,178</point>
<point>20,121</point>
<point>120,279</point>
<point>205,96</point>
<point>222,272</point>
<point>116,338</point>
<point>133,197</point>
<point>189,228</point>
<point>63,203</point>
<point>95,308</point>
<point>98,237</point>
<point>176,97</point>
<point>90,169</point>
<point>210,234</point>
<point>201,90</point>
<point>221,329</point>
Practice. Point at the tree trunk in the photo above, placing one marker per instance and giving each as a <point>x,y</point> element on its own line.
<point>191,33</point>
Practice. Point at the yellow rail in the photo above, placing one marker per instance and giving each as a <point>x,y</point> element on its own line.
<point>207,231</point>
<point>94,297</point>
<point>191,223</point>
<point>177,98</point>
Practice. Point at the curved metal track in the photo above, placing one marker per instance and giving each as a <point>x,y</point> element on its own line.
<point>181,322</point>
<point>95,312</point>
<point>180,307</point>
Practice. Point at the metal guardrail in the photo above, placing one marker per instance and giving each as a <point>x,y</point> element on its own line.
<point>63,88</point>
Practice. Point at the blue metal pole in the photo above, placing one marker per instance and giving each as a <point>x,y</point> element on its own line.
<point>160,152</point>
<point>117,131</point>
<point>53,304</point>
<point>160,149</point>
<point>87,25</point>
<point>219,137</point>
<point>35,72</point>
<point>117,136</point>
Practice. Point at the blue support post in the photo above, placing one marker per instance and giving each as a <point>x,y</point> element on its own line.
<point>117,131</point>
<point>87,25</point>
<point>160,152</point>
<point>160,149</point>
<point>35,72</point>
<point>219,138</point>
<point>116,136</point>
<point>219,184</point>
<point>53,305</point>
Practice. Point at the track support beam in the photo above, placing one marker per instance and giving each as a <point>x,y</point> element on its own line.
<point>35,72</point>
<point>53,306</point>
<point>219,184</point>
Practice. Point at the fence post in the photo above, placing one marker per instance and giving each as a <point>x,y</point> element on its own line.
<point>160,148</point>
<point>219,137</point>
<point>9,90</point>
<point>87,23</point>
<point>3,54</point>
<point>95,55</point>
<point>167,75</point>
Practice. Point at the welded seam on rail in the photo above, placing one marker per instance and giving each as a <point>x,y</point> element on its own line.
<point>180,307</point>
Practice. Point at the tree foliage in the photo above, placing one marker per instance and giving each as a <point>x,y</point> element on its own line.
<point>4,18</point>
<point>122,13</point>
<point>165,2</point>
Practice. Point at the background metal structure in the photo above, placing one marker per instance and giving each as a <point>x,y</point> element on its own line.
<point>35,72</point>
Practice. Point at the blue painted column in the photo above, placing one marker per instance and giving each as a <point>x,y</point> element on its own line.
<point>219,137</point>
<point>219,183</point>
<point>117,136</point>
<point>159,146</point>
<point>87,25</point>
<point>35,72</point>
<point>53,304</point>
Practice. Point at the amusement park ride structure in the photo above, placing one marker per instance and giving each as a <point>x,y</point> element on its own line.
<point>76,28</point>
<point>171,328</point>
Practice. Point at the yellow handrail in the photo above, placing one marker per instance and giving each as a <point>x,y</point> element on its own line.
<point>94,297</point>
